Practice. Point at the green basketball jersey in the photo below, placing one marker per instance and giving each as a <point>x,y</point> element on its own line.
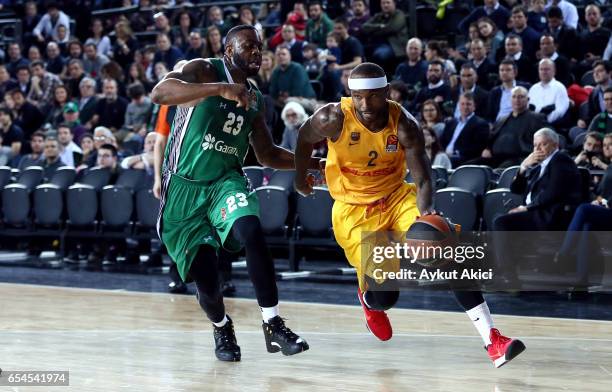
<point>212,138</point>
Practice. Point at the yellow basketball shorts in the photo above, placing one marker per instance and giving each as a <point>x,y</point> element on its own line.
<point>359,228</point>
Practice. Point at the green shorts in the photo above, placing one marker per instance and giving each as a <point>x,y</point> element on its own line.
<point>202,213</point>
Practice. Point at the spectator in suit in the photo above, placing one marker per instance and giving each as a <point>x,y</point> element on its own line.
<point>465,138</point>
<point>551,187</point>
<point>24,79</point>
<point>467,82</point>
<point>295,46</point>
<point>569,10</point>
<point>88,102</point>
<point>591,149</point>
<point>500,97</point>
<point>289,79</point>
<point>51,161</point>
<point>511,139</point>
<point>530,37</point>
<point>549,96</point>
<point>387,32</point>
<point>76,73</point>
<point>35,157</point>
<point>524,65</point>
<point>436,88</point>
<point>565,37</point>
<point>413,71</point>
<point>110,110</point>
<point>318,24</point>
<point>492,9</point>
<point>70,153</point>
<point>602,123</point>
<point>548,50</point>
<point>481,62</point>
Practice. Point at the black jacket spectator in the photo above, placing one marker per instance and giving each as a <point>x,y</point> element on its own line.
<point>481,99</point>
<point>412,74</point>
<point>495,96</point>
<point>111,113</point>
<point>554,195</point>
<point>470,142</point>
<point>566,39</point>
<point>499,15</point>
<point>511,139</point>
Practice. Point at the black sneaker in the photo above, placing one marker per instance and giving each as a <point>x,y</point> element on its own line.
<point>226,347</point>
<point>280,338</point>
<point>177,287</point>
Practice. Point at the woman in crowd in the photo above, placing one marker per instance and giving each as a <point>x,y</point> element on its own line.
<point>431,116</point>
<point>493,38</point>
<point>293,115</point>
<point>55,114</point>
<point>183,25</point>
<point>265,71</point>
<point>434,150</point>
<point>103,43</point>
<point>214,45</point>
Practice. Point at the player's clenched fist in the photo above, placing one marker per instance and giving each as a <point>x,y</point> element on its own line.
<point>236,92</point>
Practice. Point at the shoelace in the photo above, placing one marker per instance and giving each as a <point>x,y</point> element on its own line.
<point>280,324</point>
<point>500,338</point>
<point>226,333</point>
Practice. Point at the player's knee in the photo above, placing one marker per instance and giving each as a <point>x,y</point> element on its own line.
<point>247,230</point>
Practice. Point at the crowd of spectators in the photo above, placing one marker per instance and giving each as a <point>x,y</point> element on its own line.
<point>74,83</point>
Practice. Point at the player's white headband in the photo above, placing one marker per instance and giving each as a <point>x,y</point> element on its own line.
<point>367,83</point>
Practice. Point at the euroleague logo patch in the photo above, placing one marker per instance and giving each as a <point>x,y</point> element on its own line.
<point>392,143</point>
<point>223,213</point>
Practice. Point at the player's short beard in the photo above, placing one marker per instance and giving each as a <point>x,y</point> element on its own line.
<point>238,62</point>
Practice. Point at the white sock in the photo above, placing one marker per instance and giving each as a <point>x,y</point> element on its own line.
<point>222,322</point>
<point>269,313</point>
<point>481,317</point>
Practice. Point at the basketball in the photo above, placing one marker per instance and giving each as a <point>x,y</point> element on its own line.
<point>428,237</point>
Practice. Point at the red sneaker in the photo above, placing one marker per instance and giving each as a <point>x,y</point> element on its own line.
<point>503,349</point>
<point>376,320</point>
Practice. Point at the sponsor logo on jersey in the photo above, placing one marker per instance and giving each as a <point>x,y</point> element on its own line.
<point>392,143</point>
<point>223,213</point>
<point>370,173</point>
<point>210,143</point>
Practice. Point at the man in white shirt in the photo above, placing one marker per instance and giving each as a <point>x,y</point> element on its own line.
<point>68,148</point>
<point>549,96</point>
<point>49,24</point>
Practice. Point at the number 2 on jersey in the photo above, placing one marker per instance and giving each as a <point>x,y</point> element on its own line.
<point>228,127</point>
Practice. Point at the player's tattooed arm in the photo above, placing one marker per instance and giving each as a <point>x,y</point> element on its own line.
<point>194,82</point>
<point>269,154</point>
<point>324,123</point>
<point>412,140</point>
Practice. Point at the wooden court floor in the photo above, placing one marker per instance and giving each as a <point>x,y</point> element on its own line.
<point>126,341</point>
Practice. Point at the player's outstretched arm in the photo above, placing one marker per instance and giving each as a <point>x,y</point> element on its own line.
<point>411,138</point>
<point>269,154</point>
<point>324,123</point>
<point>195,81</point>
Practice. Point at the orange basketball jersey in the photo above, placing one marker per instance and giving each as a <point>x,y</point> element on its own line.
<point>363,166</point>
